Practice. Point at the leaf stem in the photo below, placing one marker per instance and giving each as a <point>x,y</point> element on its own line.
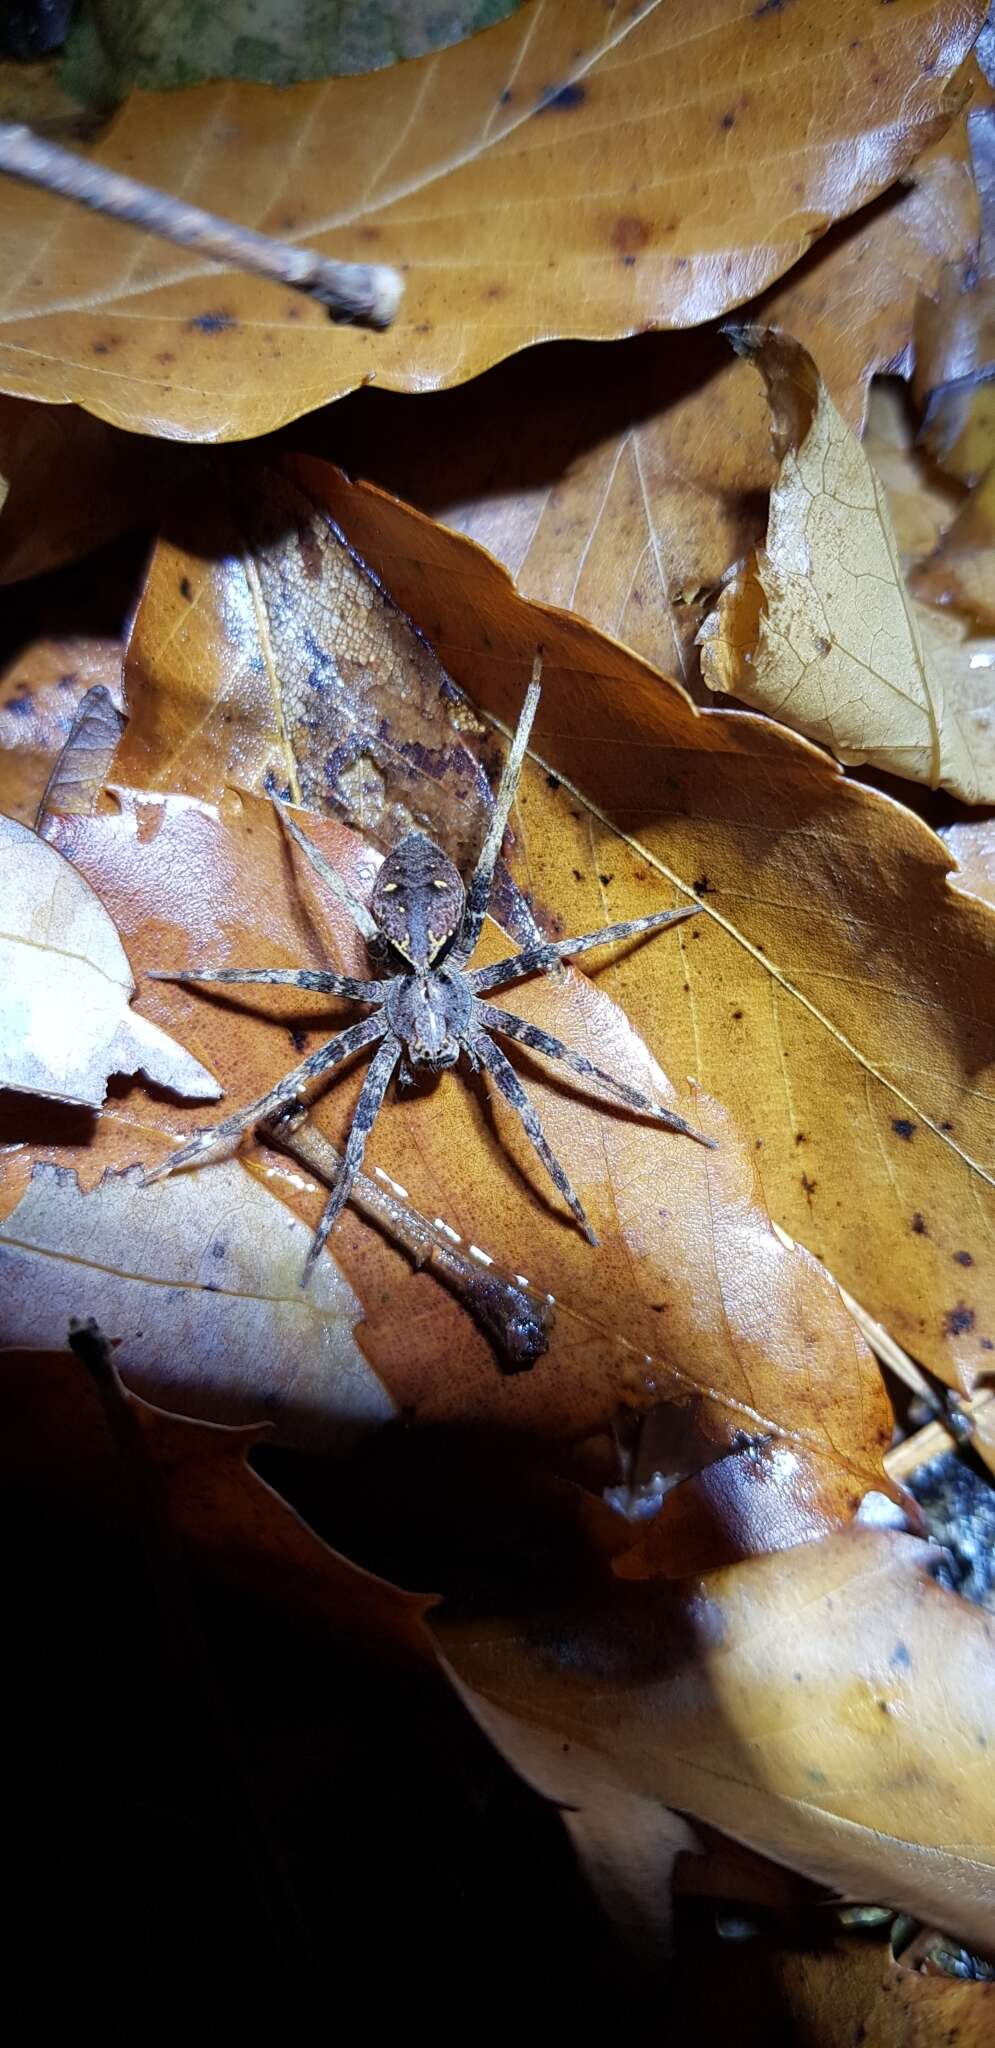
<point>366,293</point>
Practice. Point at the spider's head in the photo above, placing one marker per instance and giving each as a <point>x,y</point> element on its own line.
<point>418,900</point>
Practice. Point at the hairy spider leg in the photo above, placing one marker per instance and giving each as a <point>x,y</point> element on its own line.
<point>491,1057</point>
<point>479,889</point>
<point>554,1049</point>
<point>337,1049</point>
<point>547,953</point>
<point>367,1110</point>
<point>326,984</point>
<point>329,875</point>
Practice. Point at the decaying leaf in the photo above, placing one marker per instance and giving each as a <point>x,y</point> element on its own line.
<point>822,633</point>
<point>831,1706</point>
<point>68,483</point>
<point>197,1281</point>
<point>954,356</point>
<point>961,570</point>
<point>823,1000</point>
<point>39,695</point>
<point>710,1313</point>
<point>627,489</point>
<point>483,171</point>
<point>79,773</point>
<point>65,988</point>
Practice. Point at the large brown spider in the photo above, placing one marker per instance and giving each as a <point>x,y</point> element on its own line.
<point>429,1010</point>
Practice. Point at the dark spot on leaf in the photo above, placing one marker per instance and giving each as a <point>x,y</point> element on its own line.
<point>986,1344</point>
<point>21,706</point>
<point>946,1126</point>
<point>629,234</point>
<point>799,1137</point>
<point>496,291</point>
<point>736,1016</point>
<point>822,645</point>
<point>627,262</point>
<point>578,877</point>
<point>211,323</point>
<point>902,1127</point>
<point>218,1248</point>
<point>370,233</point>
<point>186,589</point>
<point>919,1225</point>
<point>900,1655</point>
<point>728,121</point>
<point>958,1320</point>
<point>560,99</point>
<point>963,1259</point>
<point>702,887</point>
<point>293,312</point>
<point>883,1707</point>
<point>809,1185</point>
<point>552,782</point>
<point>505,98</point>
<point>298,1038</point>
<point>424,327</point>
<point>104,347</point>
<point>310,553</point>
<point>768,7</point>
<point>166,356</point>
<point>605,879</point>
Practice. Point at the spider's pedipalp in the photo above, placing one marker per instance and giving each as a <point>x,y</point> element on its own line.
<point>329,1055</point>
<point>478,893</point>
<point>503,1073</point>
<point>538,957</point>
<point>329,875</point>
<point>367,1110</point>
<point>325,983</point>
<point>554,1049</point>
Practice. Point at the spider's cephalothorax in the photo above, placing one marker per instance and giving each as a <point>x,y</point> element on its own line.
<point>430,1009</point>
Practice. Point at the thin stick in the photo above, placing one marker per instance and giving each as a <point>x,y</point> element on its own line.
<point>517,1321</point>
<point>367,293</point>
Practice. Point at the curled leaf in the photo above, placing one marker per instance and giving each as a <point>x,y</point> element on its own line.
<point>65,1018</point>
<point>822,634</point>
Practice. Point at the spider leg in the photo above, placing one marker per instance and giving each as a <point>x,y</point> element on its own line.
<point>503,1073</point>
<point>554,1049</point>
<point>329,875</point>
<point>535,957</point>
<point>283,977</point>
<point>479,888</point>
<point>367,1109</point>
<point>329,1055</point>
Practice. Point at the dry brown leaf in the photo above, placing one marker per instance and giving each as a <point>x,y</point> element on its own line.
<point>709,1311</point>
<point>483,171</point>
<point>198,1281</point>
<point>39,694</point>
<point>955,334</point>
<point>68,483</point>
<point>78,775</point>
<point>831,1706</point>
<point>631,482</point>
<point>65,988</point>
<point>961,570</point>
<point>839,998</point>
<point>834,648</point>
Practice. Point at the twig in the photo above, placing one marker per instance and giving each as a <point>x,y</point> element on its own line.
<point>517,1321</point>
<point>367,293</point>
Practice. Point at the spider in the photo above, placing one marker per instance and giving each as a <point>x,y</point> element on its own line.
<point>431,1008</point>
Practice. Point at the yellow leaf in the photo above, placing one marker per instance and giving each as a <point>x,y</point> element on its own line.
<point>835,649</point>
<point>574,170</point>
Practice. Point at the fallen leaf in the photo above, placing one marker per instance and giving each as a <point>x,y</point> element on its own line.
<point>822,634</point>
<point>65,1017</point>
<point>831,1707</point>
<point>961,570</point>
<point>824,1002</point>
<point>39,694</point>
<point>972,845</point>
<point>710,1312</point>
<point>197,1282</point>
<point>744,137</point>
<point>955,336</point>
<point>68,483</point>
<point>632,482</point>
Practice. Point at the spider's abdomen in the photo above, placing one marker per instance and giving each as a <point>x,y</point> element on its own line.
<point>429,1013</point>
<point>418,899</point>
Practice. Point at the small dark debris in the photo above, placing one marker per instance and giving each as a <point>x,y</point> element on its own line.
<point>902,1127</point>
<point>560,98</point>
<point>919,1225</point>
<point>900,1655</point>
<point>578,877</point>
<point>703,887</point>
<point>218,1248</point>
<point>605,879</point>
<point>728,121</point>
<point>298,1038</point>
<point>212,323</point>
<point>553,783</point>
<point>809,1185</point>
<point>963,1259</point>
<point>736,1015</point>
<point>958,1320</point>
<point>186,589</point>
<point>505,98</point>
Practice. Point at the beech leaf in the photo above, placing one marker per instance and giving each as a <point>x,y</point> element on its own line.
<point>823,634</point>
<point>66,987</point>
<point>485,172</point>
